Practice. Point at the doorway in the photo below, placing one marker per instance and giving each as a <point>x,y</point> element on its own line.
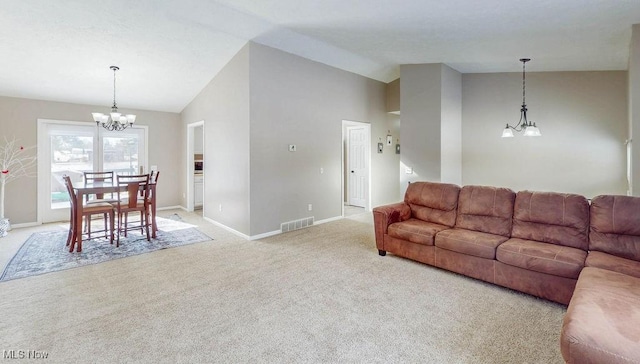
<point>195,177</point>
<point>356,162</point>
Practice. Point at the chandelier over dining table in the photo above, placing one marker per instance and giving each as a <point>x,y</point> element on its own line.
<point>114,120</point>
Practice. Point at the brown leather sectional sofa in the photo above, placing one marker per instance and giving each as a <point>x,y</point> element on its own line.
<point>552,245</point>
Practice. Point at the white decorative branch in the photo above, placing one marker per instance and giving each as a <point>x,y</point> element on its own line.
<point>15,162</point>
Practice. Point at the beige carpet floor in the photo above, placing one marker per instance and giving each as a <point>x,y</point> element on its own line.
<point>321,294</point>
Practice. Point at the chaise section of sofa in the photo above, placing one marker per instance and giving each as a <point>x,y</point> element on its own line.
<point>601,324</point>
<point>548,245</point>
<point>408,229</point>
<point>483,223</point>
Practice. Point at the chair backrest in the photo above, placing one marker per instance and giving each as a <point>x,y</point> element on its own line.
<point>615,226</point>
<point>136,184</point>
<point>90,177</point>
<point>72,193</point>
<point>433,202</point>
<point>486,209</point>
<point>153,179</point>
<point>551,217</point>
<point>98,176</point>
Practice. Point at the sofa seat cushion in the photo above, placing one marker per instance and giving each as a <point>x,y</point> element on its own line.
<point>601,323</point>
<point>613,263</point>
<point>416,231</point>
<point>470,242</point>
<point>557,260</point>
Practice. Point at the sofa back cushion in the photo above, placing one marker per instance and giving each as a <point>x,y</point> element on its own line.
<point>615,226</point>
<point>433,202</point>
<point>551,217</point>
<point>486,209</point>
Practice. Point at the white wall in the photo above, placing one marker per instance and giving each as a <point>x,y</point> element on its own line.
<point>224,106</point>
<point>583,120</point>
<point>18,117</point>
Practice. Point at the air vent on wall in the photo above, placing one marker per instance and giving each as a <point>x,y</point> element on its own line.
<point>296,224</point>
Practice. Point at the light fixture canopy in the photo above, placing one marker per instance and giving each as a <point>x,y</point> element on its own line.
<point>114,120</point>
<point>529,127</point>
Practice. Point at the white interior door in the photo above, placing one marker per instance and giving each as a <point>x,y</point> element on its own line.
<point>357,166</point>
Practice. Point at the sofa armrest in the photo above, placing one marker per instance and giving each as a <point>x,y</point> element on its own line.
<point>383,216</point>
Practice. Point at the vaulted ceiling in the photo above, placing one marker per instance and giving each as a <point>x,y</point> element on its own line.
<point>168,50</point>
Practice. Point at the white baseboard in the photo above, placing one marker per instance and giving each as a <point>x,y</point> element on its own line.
<point>171,208</point>
<point>233,231</point>
<point>25,224</point>
<point>264,235</point>
<point>328,220</point>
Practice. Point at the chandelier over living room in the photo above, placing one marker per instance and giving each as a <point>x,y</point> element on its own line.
<point>114,120</point>
<point>529,127</point>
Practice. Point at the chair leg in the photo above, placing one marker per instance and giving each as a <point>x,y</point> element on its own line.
<point>89,226</point>
<point>73,240</point>
<point>146,225</point>
<point>118,230</point>
<point>104,217</point>
<point>70,235</point>
<point>126,223</point>
<point>112,219</point>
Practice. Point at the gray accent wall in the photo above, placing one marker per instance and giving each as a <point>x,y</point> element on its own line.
<point>583,120</point>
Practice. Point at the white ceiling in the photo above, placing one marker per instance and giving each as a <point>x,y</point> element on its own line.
<point>168,50</point>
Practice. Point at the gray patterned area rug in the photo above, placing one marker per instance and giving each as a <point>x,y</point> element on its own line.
<point>45,252</point>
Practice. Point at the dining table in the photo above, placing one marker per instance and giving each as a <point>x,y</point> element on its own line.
<point>106,187</point>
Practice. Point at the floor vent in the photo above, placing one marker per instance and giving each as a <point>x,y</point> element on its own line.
<point>296,224</point>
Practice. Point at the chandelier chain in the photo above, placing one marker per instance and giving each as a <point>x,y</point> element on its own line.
<point>114,89</point>
<point>523,84</point>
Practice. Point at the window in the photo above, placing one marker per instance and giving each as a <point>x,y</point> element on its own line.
<point>71,148</point>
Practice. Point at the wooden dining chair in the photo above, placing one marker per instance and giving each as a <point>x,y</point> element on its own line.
<point>105,209</point>
<point>134,197</point>
<point>91,177</point>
